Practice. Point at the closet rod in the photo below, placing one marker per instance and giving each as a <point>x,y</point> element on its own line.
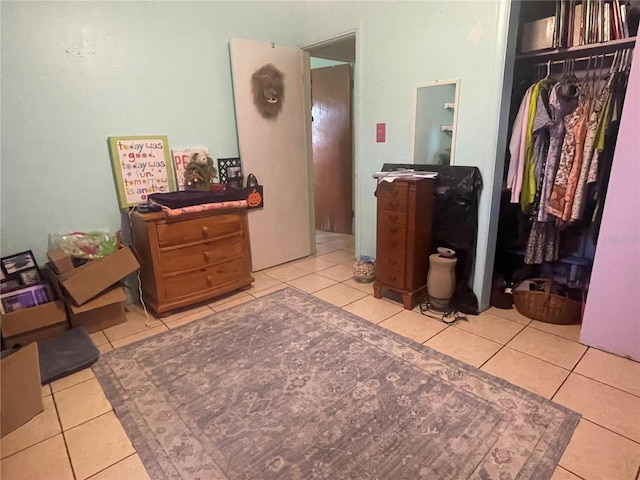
<point>575,59</point>
<point>578,51</point>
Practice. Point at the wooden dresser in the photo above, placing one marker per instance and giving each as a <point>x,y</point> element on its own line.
<point>403,237</point>
<point>191,258</point>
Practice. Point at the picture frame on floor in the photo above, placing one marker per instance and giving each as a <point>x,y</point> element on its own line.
<point>25,298</point>
<point>18,271</point>
<point>18,262</point>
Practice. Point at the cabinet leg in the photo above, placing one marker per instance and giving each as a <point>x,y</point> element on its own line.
<point>407,301</point>
<point>377,290</point>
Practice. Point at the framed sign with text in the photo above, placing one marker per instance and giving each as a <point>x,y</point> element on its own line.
<point>142,165</point>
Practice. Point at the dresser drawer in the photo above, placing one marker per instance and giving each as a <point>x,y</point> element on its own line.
<point>204,279</point>
<point>390,216</point>
<point>189,231</point>
<point>390,277</point>
<point>390,260</point>
<point>174,259</point>
<point>391,238</point>
<point>392,190</point>
<point>392,204</point>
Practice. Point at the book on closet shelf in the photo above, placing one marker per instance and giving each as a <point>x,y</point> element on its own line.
<point>616,21</point>
<point>578,25</point>
<point>623,18</point>
<point>606,27</point>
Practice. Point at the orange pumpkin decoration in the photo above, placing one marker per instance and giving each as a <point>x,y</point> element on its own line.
<point>254,198</point>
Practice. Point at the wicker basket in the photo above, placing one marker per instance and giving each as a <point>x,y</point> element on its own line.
<point>546,306</point>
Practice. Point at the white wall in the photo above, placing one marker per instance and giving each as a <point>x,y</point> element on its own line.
<point>74,73</point>
<point>401,44</point>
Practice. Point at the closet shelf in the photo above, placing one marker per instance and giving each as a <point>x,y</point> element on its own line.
<point>579,51</point>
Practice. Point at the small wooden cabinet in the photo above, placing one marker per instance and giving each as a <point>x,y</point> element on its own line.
<point>403,237</point>
<point>192,257</point>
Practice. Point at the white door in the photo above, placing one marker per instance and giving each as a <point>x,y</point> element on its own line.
<point>274,137</point>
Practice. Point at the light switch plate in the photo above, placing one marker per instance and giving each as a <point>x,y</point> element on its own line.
<point>381,132</point>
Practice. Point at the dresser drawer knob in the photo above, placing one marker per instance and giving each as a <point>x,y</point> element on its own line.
<point>207,256</point>
<point>209,280</point>
<point>205,232</point>
<point>393,217</point>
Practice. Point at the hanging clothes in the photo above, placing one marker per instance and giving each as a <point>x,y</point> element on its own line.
<point>563,100</point>
<point>561,150</point>
<point>544,239</point>
<point>541,123</point>
<point>528,188</point>
<point>601,99</point>
<point>573,125</point>
<point>517,147</point>
<point>612,120</point>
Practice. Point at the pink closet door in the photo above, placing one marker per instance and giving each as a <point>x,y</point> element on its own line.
<point>612,314</point>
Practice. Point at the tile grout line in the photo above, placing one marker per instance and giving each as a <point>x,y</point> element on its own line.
<point>135,452</point>
<point>567,377</point>
<point>605,384</point>
<point>608,430</point>
<point>537,358</point>
<point>64,437</point>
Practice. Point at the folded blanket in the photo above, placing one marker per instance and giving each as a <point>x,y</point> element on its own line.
<point>172,212</point>
<point>187,198</point>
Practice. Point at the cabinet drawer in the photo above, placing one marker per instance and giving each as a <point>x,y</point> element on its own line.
<point>390,216</point>
<point>179,233</point>
<point>190,283</point>
<point>203,254</point>
<point>390,277</point>
<point>390,260</point>
<point>392,190</point>
<point>391,238</point>
<point>392,204</point>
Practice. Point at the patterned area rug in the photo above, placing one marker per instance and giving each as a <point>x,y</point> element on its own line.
<point>288,386</point>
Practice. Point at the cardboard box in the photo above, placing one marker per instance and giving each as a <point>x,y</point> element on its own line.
<point>33,324</point>
<point>102,312</point>
<point>60,260</point>
<point>21,391</point>
<point>538,35</point>
<point>91,279</point>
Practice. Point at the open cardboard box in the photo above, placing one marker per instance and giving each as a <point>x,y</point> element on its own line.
<point>27,325</point>
<point>102,312</point>
<point>61,261</point>
<point>21,390</point>
<point>91,279</point>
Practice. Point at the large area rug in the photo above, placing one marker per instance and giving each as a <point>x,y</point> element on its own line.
<point>288,386</point>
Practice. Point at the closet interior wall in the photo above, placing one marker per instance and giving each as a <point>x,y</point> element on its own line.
<point>575,241</point>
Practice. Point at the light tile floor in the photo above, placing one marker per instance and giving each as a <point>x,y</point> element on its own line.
<point>79,437</point>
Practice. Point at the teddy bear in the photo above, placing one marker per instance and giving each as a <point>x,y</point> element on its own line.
<point>199,173</point>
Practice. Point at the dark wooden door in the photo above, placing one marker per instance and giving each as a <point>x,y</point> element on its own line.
<point>332,148</point>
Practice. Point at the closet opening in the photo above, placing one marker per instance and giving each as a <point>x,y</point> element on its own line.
<point>566,105</point>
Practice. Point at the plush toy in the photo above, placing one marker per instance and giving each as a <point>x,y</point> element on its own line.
<point>199,173</point>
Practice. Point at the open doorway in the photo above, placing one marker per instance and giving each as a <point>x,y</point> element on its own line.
<point>332,63</point>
